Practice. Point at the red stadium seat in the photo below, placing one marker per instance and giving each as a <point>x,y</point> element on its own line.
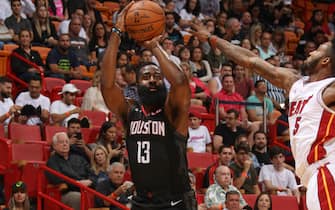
<point>54,95</point>
<point>200,160</point>
<point>2,131</point>
<point>82,85</point>
<point>19,132</point>
<point>90,135</point>
<point>96,118</point>
<point>50,83</point>
<point>209,121</point>
<point>50,130</point>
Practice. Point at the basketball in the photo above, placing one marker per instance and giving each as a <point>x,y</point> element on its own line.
<point>145,20</point>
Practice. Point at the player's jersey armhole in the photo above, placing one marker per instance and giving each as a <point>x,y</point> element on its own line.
<point>320,99</point>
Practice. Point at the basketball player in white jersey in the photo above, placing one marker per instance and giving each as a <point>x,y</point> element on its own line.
<point>311,116</point>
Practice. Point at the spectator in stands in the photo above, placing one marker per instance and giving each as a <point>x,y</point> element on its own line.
<point>34,106</point>
<point>260,148</point>
<point>16,22</point>
<point>185,57</point>
<point>263,202</point>
<point>170,29</point>
<point>220,24</point>
<point>7,107</point>
<point>70,165</point>
<point>232,200</point>
<point>77,143</point>
<point>122,4</point>
<point>246,22</point>
<point>225,96</point>
<point>93,99</point>
<point>278,43</point>
<point>87,24</point>
<point>190,13</point>
<point>265,50</point>
<point>317,23</point>
<point>233,31</point>
<point>130,91</point>
<point>98,41</point>
<point>255,34</point>
<point>64,25</point>
<point>5,34</point>
<point>215,84</point>
<point>209,8</point>
<point>243,84</point>
<point>122,59</point>
<point>275,178</point>
<point>109,139</point>
<point>44,30</point>
<point>255,113</point>
<point>193,42</point>
<point>19,197</point>
<point>200,93</point>
<point>24,61</point>
<point>199,139</point>
<point>62,62</point>
<point>168,46</point>
<point>99,163</point>
<point>203,70</point>
<point>146,56</point>
<point>243,138</point>
<point>115,187</point>
<point>245,175</point>
<point>215,197</point>
<point>58,10</point>
<point>90,9</point>
<point>225,134</point>
<point>78,44</point>
<point>63,110</point>
<point>225,158</point>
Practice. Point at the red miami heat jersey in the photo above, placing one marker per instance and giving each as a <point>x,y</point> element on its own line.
<point>312,123</point>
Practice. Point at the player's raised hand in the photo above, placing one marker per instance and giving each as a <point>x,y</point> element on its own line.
<point>200,31</point>
<point>151,44</point>
<point>121,17</point>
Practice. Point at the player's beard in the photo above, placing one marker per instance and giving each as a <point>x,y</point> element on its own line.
<point>152,98</point>
<point>307,68</point>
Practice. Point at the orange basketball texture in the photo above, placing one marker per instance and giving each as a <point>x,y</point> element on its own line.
<point>144,20</point>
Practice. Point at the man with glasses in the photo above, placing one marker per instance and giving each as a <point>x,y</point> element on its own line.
<point>245,175</point>
<point>63,110</point>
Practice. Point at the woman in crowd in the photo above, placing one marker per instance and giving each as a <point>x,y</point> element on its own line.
<point>278,41</point>
<point>100,163</point>
<point>19,199</point>
<point>220,24</point>
<point>44,30</point>
<point>202,68</point>
<point>93,99</point>
<point>108,137</point>
<point>255,34</point>
<point>190,13</point>
<point>58,10</point>
<point>88,26</point>
<point>185,56</point>
<point>98,41</point>
<point>263,202</point>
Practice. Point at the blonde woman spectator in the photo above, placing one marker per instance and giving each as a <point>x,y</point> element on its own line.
<point>93,99</point>
<point>278,41</point>
<point>255,34</point>
<point>99,163</point>
<point>19,198</point>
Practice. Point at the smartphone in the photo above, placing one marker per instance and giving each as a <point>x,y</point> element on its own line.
<point>78,135</point>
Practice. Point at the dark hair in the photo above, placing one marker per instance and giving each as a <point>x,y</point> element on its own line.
<point>237,114</point>
<point>232,192</point>
<point>94,39</point>
<point>196,11</point>
<point>257,132</point>
<point>122,53</point>
<point>12,2</point>
<point>104,127</point>
<point>4,80</point>
<point>258,81</point>
<point>73,121</point>
<point>258,197</point>
<point>273,151</point>
<point>242,146</point>
<point>222,147</point>
<point>35,77</point>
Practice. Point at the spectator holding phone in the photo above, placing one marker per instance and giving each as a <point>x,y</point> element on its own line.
<point>77,143</point>
<point>108,138</point>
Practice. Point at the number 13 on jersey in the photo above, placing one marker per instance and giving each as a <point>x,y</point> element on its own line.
<point>143,152</point>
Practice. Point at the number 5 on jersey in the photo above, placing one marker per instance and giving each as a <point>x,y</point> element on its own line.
<point>143,152</point>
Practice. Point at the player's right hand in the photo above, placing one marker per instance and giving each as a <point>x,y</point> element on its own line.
<point>121,17</point>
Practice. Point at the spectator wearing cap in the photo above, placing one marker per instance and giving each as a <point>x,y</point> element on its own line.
<point>245,175</point>
<point>63,110</point>
<point>35,106</point>
<point>199,139</point>
<point>19,198</point>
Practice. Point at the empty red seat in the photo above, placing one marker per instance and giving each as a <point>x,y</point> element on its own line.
<point>50,83</point>
<point>90,135</point>
<point>50,130</point>
<point>19,132</point>
<point>208,120</point>
<point>96,118</point>
<point>200,160</point>
<point>82,85</point>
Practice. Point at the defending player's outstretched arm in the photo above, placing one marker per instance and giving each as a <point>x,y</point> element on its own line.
<point>178,100</point>
<point>280,77</point>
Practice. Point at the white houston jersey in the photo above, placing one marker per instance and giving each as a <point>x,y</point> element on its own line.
<point>312,123</point>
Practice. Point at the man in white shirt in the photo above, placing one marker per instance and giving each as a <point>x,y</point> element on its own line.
<point>7,107</point>
<point>34,97</point>
<point>64,25</point>
<point>275,177</point>
<point>63,110</point>
<point>199,138</point>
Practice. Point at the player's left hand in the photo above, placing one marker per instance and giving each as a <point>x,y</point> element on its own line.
<point>151,44</point>
<point>121,17</point>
